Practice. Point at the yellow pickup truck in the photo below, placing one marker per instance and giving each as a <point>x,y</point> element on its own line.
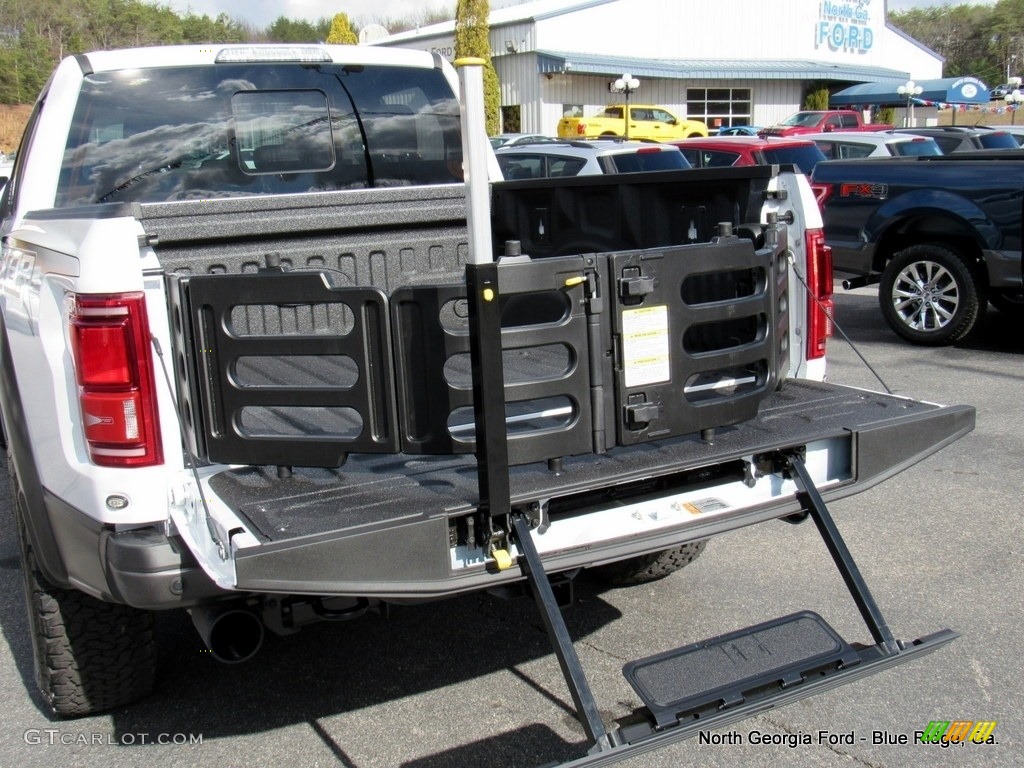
<point>645,122</point>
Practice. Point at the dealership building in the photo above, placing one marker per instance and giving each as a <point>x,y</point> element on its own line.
<point>726,62</point>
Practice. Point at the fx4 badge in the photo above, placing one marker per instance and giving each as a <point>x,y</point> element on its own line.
<point>865,190</point>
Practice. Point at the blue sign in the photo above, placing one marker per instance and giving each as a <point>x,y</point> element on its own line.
<point>844,26</point>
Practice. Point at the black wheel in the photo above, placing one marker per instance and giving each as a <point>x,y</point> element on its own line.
<point>929,296</point>
<point>1009,301</point>
<point>90,655</point>
<point>647,568</point>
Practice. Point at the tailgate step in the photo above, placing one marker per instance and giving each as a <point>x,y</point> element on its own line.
<point>782,652</point>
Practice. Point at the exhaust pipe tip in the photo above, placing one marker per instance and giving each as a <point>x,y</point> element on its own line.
<point>233,634</point>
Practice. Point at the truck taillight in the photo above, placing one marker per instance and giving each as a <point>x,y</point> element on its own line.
<point>581,128</point>
<point>819,303</point>
<point>114,369</point>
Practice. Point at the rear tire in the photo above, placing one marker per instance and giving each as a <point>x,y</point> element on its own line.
<point>90,655</point>
<point>644,569</point>
<point>929,296</point>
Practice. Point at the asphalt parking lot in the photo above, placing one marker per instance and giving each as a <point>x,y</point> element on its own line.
<point>471,681</point>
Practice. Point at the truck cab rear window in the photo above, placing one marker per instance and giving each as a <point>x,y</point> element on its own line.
<point>235,130</point>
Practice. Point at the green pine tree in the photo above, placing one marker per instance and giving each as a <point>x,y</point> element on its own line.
<point>472,39</point>
<point>341,31</point>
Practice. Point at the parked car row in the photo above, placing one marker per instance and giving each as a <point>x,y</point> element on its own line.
<point>523,155</point>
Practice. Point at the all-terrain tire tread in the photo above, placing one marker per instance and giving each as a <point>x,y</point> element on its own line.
<point>647,568</point>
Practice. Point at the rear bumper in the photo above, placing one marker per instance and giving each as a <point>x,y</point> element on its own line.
<point>141,567</point>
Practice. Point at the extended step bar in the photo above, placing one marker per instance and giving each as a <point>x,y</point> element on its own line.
<point>715,682</point>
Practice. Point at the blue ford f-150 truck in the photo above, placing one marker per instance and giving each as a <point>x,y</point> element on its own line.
<point>941,235</point>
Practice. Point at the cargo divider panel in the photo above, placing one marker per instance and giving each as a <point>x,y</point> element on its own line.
<point>554,403</point>
<point>697,343</point>
<point>286,368</point>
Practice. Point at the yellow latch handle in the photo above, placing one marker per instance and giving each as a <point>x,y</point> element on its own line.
<point>502,559</point>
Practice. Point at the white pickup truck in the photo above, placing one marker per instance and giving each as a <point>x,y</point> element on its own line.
<point>276,347</point>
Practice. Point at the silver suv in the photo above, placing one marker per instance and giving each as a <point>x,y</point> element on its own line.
<point>583,158</point>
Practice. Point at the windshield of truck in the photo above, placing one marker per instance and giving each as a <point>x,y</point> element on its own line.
<point>806,119</point>
<point>803,157</point>
<point>244,129</point>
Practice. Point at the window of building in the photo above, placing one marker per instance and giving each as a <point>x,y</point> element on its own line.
<point>719,107</point>
<point>511,119</point>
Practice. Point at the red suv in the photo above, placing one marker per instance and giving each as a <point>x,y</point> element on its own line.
<point>723,151</point>
<point>720,151</point>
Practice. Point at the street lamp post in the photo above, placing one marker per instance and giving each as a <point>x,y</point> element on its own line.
<point>626,85</point>
<point>910,89</point>
<point>1013,101</point>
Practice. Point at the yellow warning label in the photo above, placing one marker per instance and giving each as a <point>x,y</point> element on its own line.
<point>645,349</point>
<point>700,506</point>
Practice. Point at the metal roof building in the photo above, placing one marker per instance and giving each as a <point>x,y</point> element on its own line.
<point>727,62</point>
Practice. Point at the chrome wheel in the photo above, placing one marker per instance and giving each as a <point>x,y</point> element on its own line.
<point>925,296</point>
<point>928,295</point>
